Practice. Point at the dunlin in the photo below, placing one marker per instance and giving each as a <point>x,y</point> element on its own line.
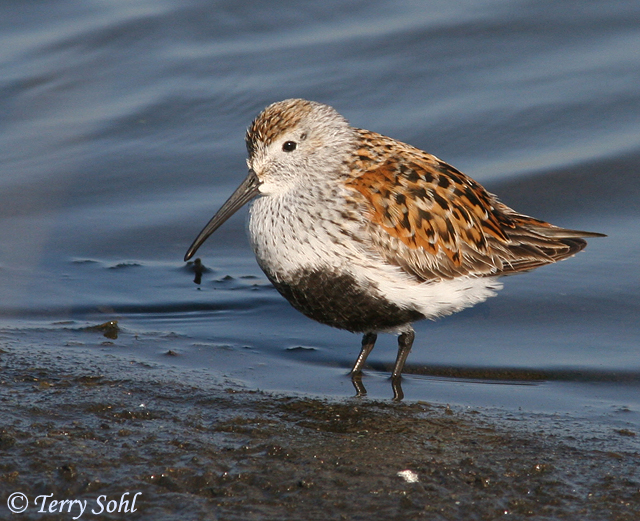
<point>365,233</point>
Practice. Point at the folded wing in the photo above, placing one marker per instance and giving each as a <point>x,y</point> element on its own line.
<point>437,223</point>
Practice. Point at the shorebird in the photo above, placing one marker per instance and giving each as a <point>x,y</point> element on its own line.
<point>368,234</point>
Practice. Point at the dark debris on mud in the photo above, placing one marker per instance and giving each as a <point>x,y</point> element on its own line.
<point>199,452</point>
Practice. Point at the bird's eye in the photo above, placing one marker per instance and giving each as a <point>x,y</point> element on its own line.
<point>289,146</point>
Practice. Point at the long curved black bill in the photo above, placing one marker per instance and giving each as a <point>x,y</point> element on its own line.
<point>243,194</point>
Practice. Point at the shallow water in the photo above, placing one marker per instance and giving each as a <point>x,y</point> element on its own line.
<point>122,132</point>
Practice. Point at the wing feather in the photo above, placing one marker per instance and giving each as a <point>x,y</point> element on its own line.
<point>437,223</point>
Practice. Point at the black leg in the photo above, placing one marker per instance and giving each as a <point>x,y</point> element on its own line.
<point>405,341</point>
<point>368,341</point>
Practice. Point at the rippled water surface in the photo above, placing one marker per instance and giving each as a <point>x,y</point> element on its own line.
<point>122,132</point>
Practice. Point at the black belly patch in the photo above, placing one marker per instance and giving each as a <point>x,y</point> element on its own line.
<point>337,300</point>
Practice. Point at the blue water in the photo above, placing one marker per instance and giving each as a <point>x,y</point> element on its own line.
<point>122,131</point>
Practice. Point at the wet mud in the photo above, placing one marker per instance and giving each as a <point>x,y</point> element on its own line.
<point>208,451</point>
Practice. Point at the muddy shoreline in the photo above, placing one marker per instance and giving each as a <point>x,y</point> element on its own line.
<point>80,430</point>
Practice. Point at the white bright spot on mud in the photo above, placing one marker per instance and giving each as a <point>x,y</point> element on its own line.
<point>409,476</point>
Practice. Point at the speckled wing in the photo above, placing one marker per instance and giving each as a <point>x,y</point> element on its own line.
<point>437,223</point>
